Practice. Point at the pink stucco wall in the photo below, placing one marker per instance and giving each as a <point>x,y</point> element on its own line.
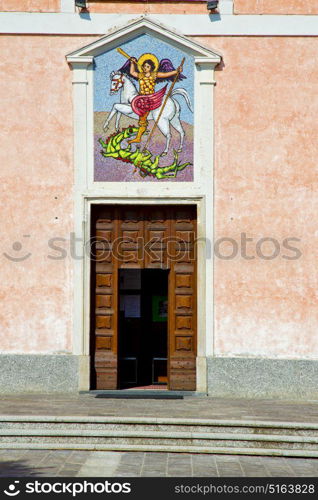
<point>266,155</point>
<point>266,186</point>
<point>151,7</point>
<point>36,158</point>
<point>119,6</point>
<point>30,5</point>
<point>308,7</point>
<point>303,7</point>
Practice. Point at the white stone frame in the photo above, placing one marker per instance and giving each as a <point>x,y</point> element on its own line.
<point>223,24</point>
<point>199,192</point>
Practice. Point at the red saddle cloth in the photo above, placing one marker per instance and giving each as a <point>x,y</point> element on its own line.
<point>143,103</point>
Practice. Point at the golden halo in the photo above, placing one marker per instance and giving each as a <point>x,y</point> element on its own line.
<point>144,58</point>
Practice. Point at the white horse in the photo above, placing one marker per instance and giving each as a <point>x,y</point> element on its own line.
<point>170,115</point>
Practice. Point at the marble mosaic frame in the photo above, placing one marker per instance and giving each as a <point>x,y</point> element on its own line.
<point>199,191</point>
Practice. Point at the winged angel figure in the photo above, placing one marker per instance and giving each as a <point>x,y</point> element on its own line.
<point>149,71</point>
<point>145,103</point>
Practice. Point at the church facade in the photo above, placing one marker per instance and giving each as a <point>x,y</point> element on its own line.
<point>158,166</point>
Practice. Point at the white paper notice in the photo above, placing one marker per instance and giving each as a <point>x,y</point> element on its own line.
<point>132,306</point>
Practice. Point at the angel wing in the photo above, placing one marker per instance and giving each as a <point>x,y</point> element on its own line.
<point>126,70</point>
<point>165,66</point>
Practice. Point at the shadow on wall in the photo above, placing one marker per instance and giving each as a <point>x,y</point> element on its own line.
<point>220,66</point>
<point>85,16</point>
<point>21,468</point>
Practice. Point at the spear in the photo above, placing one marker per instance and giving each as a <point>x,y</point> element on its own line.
<point>122,52</point>
<point>163,106</point>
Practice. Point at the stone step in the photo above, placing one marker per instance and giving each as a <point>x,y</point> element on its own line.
<point>157,437</point>
<point>159,434</point>
<point>164,449</point>
<point>148,428</point>
<point>150,424</point>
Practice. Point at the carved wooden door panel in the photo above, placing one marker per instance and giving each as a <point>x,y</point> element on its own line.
<point>106,283</point>
<point>130,237</point>
<point>146,237</point>
<point>182,301</point>
<point>157,229</point>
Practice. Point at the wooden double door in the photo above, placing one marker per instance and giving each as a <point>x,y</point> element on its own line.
<point>144,237</point>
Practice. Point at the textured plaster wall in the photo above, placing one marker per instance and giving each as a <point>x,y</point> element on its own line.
<point>303,7</point>
<point>309,7</point>
<point>266,186</point>
<point>30,5</point>
<point>36,158</point>
<point>138,7</point>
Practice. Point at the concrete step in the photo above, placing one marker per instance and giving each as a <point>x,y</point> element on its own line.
<point>79,428</point>
<point>149,424</point>
<point>159,434</point>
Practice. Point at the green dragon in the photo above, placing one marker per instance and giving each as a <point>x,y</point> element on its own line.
<point>143,160</point>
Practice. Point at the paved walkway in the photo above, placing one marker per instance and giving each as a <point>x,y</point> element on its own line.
<point>115,464</point>
<point>44,463</point>
<point>190,407</point>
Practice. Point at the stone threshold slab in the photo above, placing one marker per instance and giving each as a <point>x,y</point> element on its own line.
<point>163,448</point>
<point>159,420</point>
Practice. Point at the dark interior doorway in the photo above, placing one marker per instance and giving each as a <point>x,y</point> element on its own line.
<point>159,243</point>
<point>143,328</point>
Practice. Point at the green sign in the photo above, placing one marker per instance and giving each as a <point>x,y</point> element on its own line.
<point>159,308</point>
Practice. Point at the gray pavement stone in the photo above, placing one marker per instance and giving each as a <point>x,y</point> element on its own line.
<point>154,474</point>
<point>124,474</point>
<point>204,466</point>
<point>252,466</point>
<point>128,457</point>
<point>303,467</point>
<point>229,466</point>
<point>195,407</point>
<point>31,463</point>
<point>100,464</point>
<point>128,468</point>
<point>156,456</point>
<point>278,467</point>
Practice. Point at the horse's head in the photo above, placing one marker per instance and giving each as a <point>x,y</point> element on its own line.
<point>117,81</point>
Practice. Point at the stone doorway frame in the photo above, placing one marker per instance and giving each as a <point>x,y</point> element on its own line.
<point>199,192</point>
<point>82,312</point>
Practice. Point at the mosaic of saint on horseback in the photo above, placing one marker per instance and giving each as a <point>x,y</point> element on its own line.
<point>147,132</point>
